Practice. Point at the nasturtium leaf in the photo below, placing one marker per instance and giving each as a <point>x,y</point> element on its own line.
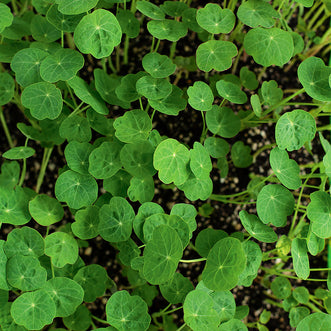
<point>295,128</point>
<point>200,96</point>
<point>77,156</point>
<point>66,293</point>
<point>207,238</point>
<point>215,54</point>
<point>315,321</point>
<point>172,104</point>
<point>43,99</point>
<point>62,248</point>
<point>327,163</point>
<point>281,287</point>
<point>319,213</point>
<point>171,159</point>
<point>301,294</point>
<point>118,184</point>
<point>84,92</point>
<point>130,25</point>
<point>10,174</point>
<point>157,65</point>
<point>248,79</point>
<point>6,16</point>
<point>14,206</point>
<point>93,279</point>
<point>189,18</point>
<point>200,162</point>
<point>231,92</point>
<point>306,3</point>
<point>174,8</point>
<point>4,286</point>
<point>19,152</point>
<point>297,314</point>
<point>128,250</point>
<point>43,31</point>
<point>148,293</point>
<point>24,241</point>
<point>86,223</point>
<point>298,42</point>
<point>116,220</point>
<point>241,155</point>
<point>141,189</point>
<point>75,189</point>
<point>25,272</point>
<point>161,255</point>
<point>271,93</point>
<point>167,29</point>
<point>134,126</point>
<point>256,13</point>
<point>197,187</point>
<point>315,244</point>
<point>63,65</point>
<point>75,127</point>
<point>176,289</point>
<point>80,320</point>
<point>126,312</point>
<point>50,48</point>
<point>286,170</point>
<point>62,22</point>
<point>269,46</point>
<point>187,212</point>
<point>33,310</point>
<point>127,91</point>
<point>98,33</point>
<point>26,65</point>
<point>225,262</point>
<point>153,88</point>
<point>274,203</point>
<point>199,312</point>
<point>7,88</point>
<point>215,20</point>
<point>145,210</point>
<point>104,161</point>
<point>217,147</point>
<point>6,319</point>
<point>314,77</point>
<point>150,10</point>
<point>75,7</point>
<point>256,228</point>
<point>233,324</point>
<point>256,105</point>
<point>223,122</point>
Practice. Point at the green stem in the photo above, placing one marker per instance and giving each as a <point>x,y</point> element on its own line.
<point>182,327</point>
<point>203,133</point>
<point>5,128</point>
<point>263,148</point>
<point>194,260</point>
<point>71,94</point>
<point>153,43</point>
<point>141,104</point>
<point>157,45</point>
<point>126,50</point>
<point>46,157</point>
<point>117,59</point>
<point>111,66</point>
<point>99,319</point>
<point>274,303</point>
<point>315,17</point>
<point>173,50</point>
<point>103,64</point>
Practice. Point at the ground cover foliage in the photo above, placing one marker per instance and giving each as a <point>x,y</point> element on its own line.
<point>63,66</point>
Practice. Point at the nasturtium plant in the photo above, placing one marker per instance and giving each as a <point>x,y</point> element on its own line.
<point>161,157</point>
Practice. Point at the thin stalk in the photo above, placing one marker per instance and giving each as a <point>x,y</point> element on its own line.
<point>99,319</point>
<point>260,150</point>
<point>117,59</point>
<point>14,5</point>
<point>182,327</point>
<point>5,128</point>
<point>203,134</point>
<point>311,11</point>
<point>141,104</point>
<point>157,45</point>
<point>71,95</point>
<point>236,61</point>
<point>315,17</point>
<point>46,157</point>
<point>194,260</point>
<point>62,39</point>
<point>24,167</point>
<point>153,44</point>
<point>173,50</point>
<point>111,66</point>
<point>52,268</point>
<point>103,64</point>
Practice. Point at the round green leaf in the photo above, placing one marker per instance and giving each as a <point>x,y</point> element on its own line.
<point>104,161</point>
<point>187,212</point>
<point>256,13</point>
<point>74,7</point>
<point>86,223</point>
<point>135,125</point>
<point>61,248</point>
<point>174,8</point>
<point>97,33</point>
<point>200,96</point>
<point>26,65</point>
<point>116,220</point>
<point>161,255</point>
<point>295,128</point>
<point>231,92</point>
<point>215,54</point>
<point>171,159</point>
<point>153,88</point>
<point>241,155</point>
<point>33,310</point>
<point>314,77</point>
<point>43,99</point>
<point>301,294</point>
<point>167,29</point>
<point>199,313</point>
<point>269,46</point>
<point>297,314</point>
<point>93,279</point>
<point>66,294</point>
<point>319,213</point>
<point>216,147</point>
<point>189,18</point>
<point>233,324</point>
<point>127,91</point>
<point>62,65</point>
<point>281,287</point>
<point>197,188</point>
<point>150,10</point>
<point>256,228</point>
<point>223,122</point>
<point>215,20</point>
<point>130,25</point>
<point>80,320</point>
<point>126,312</point>
<point>141,189</point>
<point>157,65</point>
<point>271,93</point>
<point>6,16</point>
<point>225,262</point>
<point>75,127</point>
<point>256,105</point>
<point>75,189</point>
<point>207,238</point>
<point>24,241</point>
<point>19,152</point>
<point>315,321</point>
<point>286,170</point>
<point>25,273</point>
<point>43,31</point>
<point>274,203</point>
<point>118,184</point>
<point>7,87</point>
<point>200,162</point>
<point>248,79</point>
